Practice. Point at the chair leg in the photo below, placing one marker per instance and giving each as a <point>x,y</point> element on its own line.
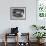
<point>17,40</point>
<point>5,43</point>
<point>5,40</point>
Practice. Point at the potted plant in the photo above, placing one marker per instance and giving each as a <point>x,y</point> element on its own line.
<point>39,35</point>
<point>38,27</point>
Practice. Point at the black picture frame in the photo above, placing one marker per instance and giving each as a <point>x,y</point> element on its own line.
<point>18,13</point>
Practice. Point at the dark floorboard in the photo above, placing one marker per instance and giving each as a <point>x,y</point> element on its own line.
<point>13,44</point>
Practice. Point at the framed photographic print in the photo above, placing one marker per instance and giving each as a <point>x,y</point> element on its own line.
<point>41,12</point>
<point>17,13</point>
<point>41,8</point>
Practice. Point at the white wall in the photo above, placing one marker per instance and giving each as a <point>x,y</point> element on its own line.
<point>24,25</point>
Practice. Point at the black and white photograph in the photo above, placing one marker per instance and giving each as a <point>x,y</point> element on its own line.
<point>17,13</point>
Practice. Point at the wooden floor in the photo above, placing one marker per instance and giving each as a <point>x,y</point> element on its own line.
<point>13,44</point>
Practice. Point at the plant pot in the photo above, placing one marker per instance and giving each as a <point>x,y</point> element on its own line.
<point>40,41</point>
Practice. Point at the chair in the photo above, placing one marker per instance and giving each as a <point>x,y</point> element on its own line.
<point>14,32</point>
<point>7,35</point>
<point>26,41</point>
